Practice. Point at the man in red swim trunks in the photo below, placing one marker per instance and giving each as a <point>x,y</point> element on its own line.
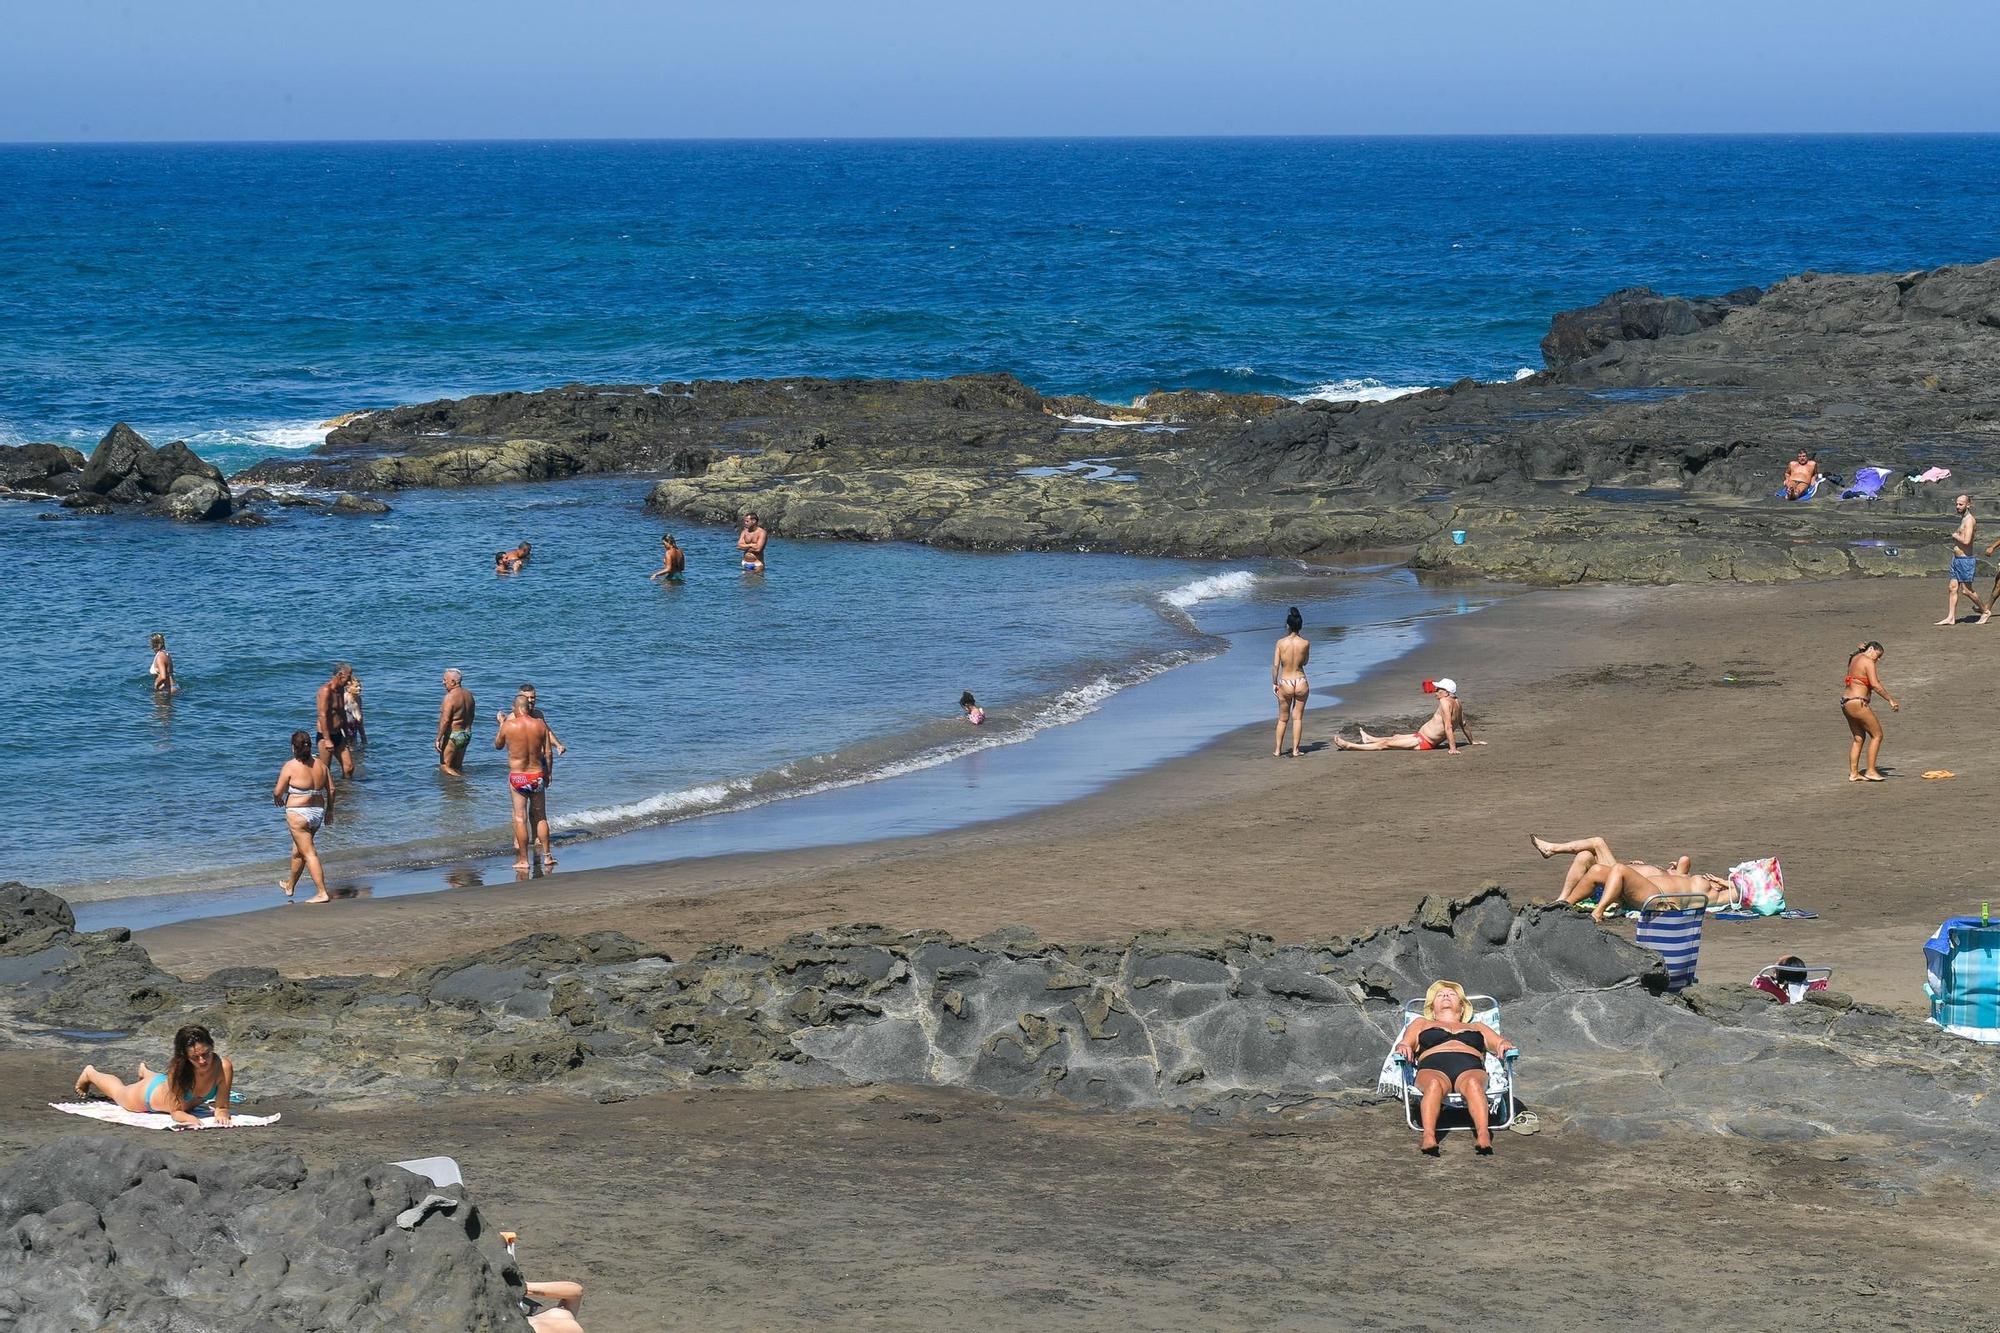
<point>525,738</point>
<point>1440,729</point>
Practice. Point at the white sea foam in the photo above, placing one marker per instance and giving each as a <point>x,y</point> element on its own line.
<point>271,435</point>
<point>665,804</point>
<point>1101,421</point>
<point>1367,390</point>
<point>1233,584</point>
<point>742,793</point>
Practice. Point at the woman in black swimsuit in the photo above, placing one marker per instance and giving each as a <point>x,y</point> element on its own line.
<point>1450,1052</point>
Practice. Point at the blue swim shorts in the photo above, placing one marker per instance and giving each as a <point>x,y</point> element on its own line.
<point>1964,569</point>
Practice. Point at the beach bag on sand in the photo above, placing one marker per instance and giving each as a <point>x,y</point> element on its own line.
<point>1760,886</point>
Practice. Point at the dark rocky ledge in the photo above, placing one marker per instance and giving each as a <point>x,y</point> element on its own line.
<point>1211,1025</point>
<point>105,1232</point>
<point>1646,452</point>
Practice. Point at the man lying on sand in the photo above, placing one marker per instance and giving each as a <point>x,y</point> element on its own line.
<point>1440,729</point>
<point>1596,870</point>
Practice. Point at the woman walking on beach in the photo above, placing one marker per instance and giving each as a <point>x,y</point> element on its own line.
<point>305,792</point>
<point>1862,725</point>
<point>195,1074</point>
<point>1288,682</point>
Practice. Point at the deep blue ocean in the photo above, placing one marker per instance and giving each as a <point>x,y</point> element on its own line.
<point>237,295</point>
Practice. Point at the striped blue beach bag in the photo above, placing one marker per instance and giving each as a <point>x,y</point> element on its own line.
<point>1670,925</point>
<point>1962,977</point>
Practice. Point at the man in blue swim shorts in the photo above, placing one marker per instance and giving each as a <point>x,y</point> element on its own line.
<point>1964,569</point>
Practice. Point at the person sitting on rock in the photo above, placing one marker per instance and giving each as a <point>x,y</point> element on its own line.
<point>1449,1051</point>
<point>1440,729</point>
<point>1800,474</point>
<point>195,1074</point>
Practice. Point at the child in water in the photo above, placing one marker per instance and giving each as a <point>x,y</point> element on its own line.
<point>970,707</point>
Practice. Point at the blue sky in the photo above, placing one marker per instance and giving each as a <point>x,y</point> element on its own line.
<point>366,69</point>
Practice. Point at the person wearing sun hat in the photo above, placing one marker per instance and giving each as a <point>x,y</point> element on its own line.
<point>1439,731</point>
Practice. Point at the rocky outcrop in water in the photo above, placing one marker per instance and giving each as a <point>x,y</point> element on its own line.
<point>1210,1025</point>
<point>45,471</point>
<point>127,474</point>
<point>1647,451</point>
<point>104,1233</point>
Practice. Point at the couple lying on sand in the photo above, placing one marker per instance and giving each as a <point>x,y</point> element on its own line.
<point>1596,870</point>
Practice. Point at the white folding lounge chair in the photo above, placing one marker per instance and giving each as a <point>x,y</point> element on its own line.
<point>1400,1075</point>
<point>1670,925</point>
<point>1789,983</point>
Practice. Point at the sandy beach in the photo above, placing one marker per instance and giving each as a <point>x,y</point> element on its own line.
<point>1699,720</point>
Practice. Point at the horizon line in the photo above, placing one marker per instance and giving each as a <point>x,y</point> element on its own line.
<point>1005,138</point>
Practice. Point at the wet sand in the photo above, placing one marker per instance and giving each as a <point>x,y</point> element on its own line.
<point>1607,711</point>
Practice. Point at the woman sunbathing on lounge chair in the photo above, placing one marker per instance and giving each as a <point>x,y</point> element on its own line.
<point>1449,1051</point>
<point>1596,870</point>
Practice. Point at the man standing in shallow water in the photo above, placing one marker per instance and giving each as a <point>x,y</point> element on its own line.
<point>454,723</point>
<point>330,716</point>
<point>751,542</point>
<point>1964,568</point>
<point>525,738</point>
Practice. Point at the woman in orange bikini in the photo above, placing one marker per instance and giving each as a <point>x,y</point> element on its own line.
<point>1288,682</point>
<point>1862,681</point>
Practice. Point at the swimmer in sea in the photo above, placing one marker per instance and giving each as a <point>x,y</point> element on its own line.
<point>330,716</point>
<point>970,707</point>
<point>673,561</point>
<point>510,562</point>
<point>196,1074</point>
<point>455,716</point>
<point>305,792</point>
<point>751,542</point>
<point>357,729</point>
<point>163,667</point>
<point>1288,682</point>
<point>525,738</point>
<point>1440,729</point>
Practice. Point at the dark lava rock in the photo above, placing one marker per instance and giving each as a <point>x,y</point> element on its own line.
<point>40,469</point>
<point>351,505</point>
<point>1211,1023</point>
<point>125,471</point>
<point>1631,314</point>
<point>103,1233</point>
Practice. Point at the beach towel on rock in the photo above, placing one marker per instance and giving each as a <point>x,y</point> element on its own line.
<point>118,1115</point>
<point>1867,483</point>
<point>1760,886</point>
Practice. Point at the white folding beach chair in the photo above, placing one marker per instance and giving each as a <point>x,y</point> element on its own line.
<point>1670,925</point>
<point>1400,1075</point>
<point>1789,983</point>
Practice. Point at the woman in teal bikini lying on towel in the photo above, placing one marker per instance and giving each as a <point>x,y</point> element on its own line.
<point>196,1074</point>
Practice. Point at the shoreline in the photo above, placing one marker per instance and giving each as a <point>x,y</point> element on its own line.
<point>1170,709</point>
<point>1606,712</point>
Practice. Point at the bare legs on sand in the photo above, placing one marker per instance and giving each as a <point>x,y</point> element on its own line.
<point>1291,708</point>
<point>1863,728</point>
<point>1951,606</point>
<point>531,818</point>
<point>305,857</point>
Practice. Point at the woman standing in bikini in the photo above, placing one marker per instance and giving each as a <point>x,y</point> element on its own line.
<point>1288,682</point>
<point>1863,680</point>
<point>196,1074</point>
<point>305,792</point>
